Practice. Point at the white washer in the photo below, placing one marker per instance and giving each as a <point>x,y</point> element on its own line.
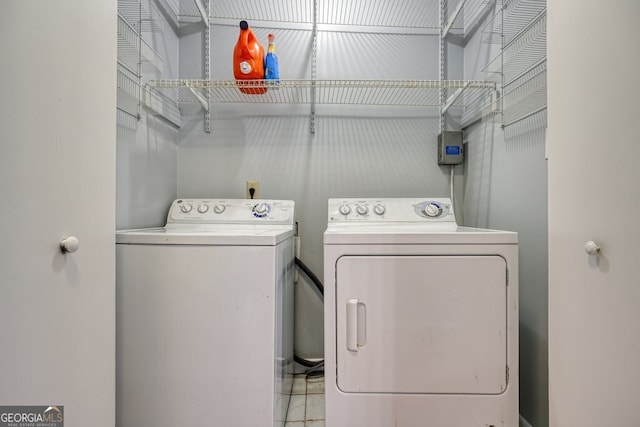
<point>205,316</point>
<point>421,317</point>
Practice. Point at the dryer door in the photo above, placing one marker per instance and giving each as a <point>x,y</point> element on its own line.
<point>421,324</point>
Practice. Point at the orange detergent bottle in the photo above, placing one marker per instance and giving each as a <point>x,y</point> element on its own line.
<point>248,61</point>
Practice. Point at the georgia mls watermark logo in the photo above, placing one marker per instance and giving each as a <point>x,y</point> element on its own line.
<point>32,416</point>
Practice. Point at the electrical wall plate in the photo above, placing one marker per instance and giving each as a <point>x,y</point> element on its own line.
<point>255,186</point>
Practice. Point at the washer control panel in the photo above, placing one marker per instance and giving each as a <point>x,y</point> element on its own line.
<point>391,210</point>
<point>230,211</point>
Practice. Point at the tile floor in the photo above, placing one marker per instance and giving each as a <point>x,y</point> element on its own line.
<point>306,407</point>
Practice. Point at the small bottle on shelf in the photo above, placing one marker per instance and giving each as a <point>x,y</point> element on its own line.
<point>272,70</point>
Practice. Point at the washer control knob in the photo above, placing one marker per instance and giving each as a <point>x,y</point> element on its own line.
<point>186,208</point>
<point>379,209</point>
<point>362,210</point>
<point>203,208</point>
<point>432,210</point>
<point>345,209</point>
<point>218,208</point>
<point>261,210</point>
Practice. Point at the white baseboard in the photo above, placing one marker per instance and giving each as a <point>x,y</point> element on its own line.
<point>524,423</point>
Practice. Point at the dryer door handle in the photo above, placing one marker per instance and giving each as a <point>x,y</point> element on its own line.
<point>356,324</point>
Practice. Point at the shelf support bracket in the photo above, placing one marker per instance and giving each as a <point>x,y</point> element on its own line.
<point>453,18</point>
<point>201,99</point>
<point>453,98</point>
<point>314,49</point>
<point>442,61</point>
<point>203,12</point>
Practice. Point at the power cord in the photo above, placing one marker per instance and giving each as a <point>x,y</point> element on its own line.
<point>307,271</point>
<point>314,367</point>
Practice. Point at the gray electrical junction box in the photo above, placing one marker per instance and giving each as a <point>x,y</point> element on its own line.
<point>450,149</point>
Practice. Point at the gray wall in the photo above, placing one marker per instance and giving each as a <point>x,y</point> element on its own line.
<point>147,157</point>
<point>357,151</point>
<point>349,157</point>
<point>147,151</point>
<point>506,188</point>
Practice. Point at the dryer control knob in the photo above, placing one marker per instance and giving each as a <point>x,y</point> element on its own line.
<point>432,210</point>
<point>203,208</point>
<point>345,209</point>
<point>186,208</point>
<point>219,209</point>
<point>379,209</point>
<point>362,210</point>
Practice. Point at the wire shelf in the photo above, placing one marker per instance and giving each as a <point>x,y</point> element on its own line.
<point>376,16</point>
<point>128,90</point>
<point>162,104</point>
<point>525,51</point>
<point>479,106</point>
<point>351,14</point>
<point>518,14</point>
<point>137,60</point>
<point>472,14</point>
<point>142,13</point>
<point>379,13</point>
<point>521,53</point>
<point>525,65</point>
<point>361,92</point>
<point>526,96</point>
<point>133,50</point>
<point>492,28</point>
<point>292,11</point>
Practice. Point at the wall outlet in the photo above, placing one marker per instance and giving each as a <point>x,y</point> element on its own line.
<point>255,186</point>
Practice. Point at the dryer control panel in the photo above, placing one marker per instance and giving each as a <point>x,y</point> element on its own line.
<point>391,210</point>
<point>231,211</point>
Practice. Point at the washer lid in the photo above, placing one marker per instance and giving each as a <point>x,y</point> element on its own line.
<point>207,235</point>
<point>219,222</point>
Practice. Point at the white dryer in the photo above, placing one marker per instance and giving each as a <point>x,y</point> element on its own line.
<point>421,317</point>
<point>205,316</point>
